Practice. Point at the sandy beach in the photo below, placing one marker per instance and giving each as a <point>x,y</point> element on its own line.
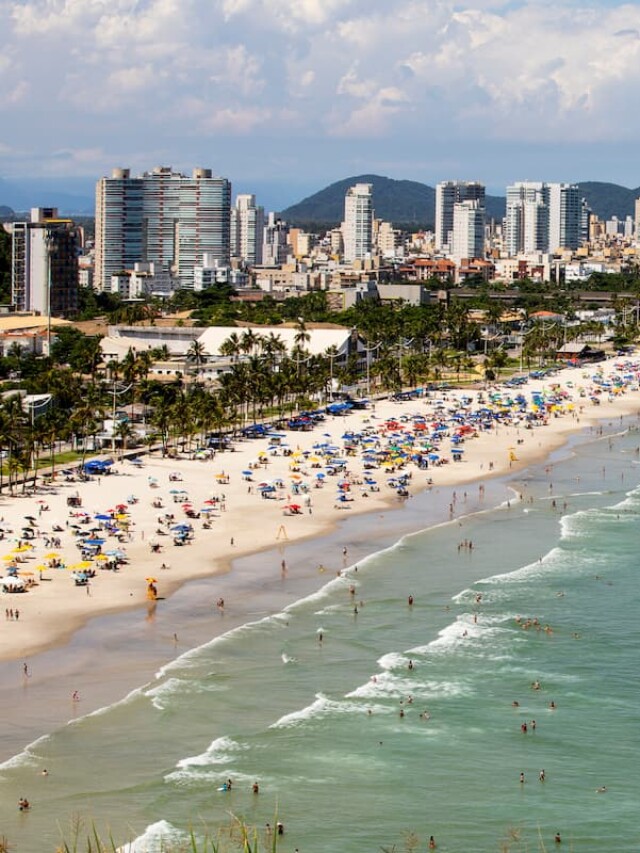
<point>264,494</point>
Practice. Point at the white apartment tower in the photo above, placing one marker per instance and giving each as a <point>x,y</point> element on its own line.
<point>468,230</point>
<point>448,194</point>
<point>162,217</point>
<point>543,217</point>
<point>247,227</point>
<point>357,228</point>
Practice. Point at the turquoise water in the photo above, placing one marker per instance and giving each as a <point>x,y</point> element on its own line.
<point>269,702</point>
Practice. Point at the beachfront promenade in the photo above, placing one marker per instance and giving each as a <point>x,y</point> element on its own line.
<point>137,530</point>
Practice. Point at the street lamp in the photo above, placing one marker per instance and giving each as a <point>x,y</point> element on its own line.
<point>116,392</point>
<point>368,351</point>
<point>51,244</point>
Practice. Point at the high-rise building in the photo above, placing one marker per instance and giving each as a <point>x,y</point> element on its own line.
<point>527,217</point>
<point>247,227</point>
<point>448,194</point>
<point>275,241</point>
<point>468,230</point>
<point>162,217</point>
<point>44,264</point>
<point>357,227</point>
<point>543,217</point>
<point>565,216</point>
<point>637,219</point>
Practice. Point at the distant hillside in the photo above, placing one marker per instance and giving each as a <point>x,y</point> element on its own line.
<point>406,202</point>
<point>70,195</point>
<point>410,202</point>
<point>6,212</point>
<point>608,200</point>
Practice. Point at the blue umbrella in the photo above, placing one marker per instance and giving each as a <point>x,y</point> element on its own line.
<point>103,517</point>
<point>95,542</point>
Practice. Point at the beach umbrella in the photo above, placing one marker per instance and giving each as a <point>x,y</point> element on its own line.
<point>94,542</point>
<point>151,580</point>
<point>102,517</point>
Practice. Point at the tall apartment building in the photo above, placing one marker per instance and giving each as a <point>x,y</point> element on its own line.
<point>247,230</point>
<point>468,230</point>
<point>44,264</point>
<point>448,194</point>
<point>565,216</point>
<point>357,227</point>
<point>275,241</point>
<point>162,217</point>
<point>543,217</point>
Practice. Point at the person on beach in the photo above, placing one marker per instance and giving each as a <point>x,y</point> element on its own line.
<point>75,696</point>
<point>557,838</point>
<point>25,670</point>
<point>522,778</point>
<point>432,843</point>
<point>23,804</point>
<point>255,788</point>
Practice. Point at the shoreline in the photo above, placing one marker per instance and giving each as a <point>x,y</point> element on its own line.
<point>52,628</point>
<point>119,654</point>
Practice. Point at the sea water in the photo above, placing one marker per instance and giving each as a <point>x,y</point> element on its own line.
<point>370,722</point>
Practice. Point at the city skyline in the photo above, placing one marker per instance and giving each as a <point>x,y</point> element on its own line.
<point>321,90</point>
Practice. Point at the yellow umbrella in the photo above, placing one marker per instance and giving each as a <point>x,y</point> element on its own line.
<point>51,556</point>
<point>82,565</point>
<point>9,558</point>
<point>41,568</point>
<point>22,549</point>
<point>102,557</point>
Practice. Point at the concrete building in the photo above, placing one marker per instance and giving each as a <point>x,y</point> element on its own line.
<point>161,217</point>
<point>357,227</point>
<point>468,230</point>
<point>44,264</point>
<point>543,217</point>
<point>275,241</point>
<point>565,217</point>
<point>527,218</point>
<point>448,194</point>
<point>145,279</point>
<point>247,230</point>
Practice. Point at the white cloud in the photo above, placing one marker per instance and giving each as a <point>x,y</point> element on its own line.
<point>172,69</point>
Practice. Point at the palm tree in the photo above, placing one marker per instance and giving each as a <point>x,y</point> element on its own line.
<point>197,354</point>
<point>231,346</point>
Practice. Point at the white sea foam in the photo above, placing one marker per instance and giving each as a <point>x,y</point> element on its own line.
<point>192,659</point>
<point>156,838</point>
<point>222,750</point>
<point>27,758</point>
<point>386,685</point>
<point>161,694</point>
<point>322,707</point>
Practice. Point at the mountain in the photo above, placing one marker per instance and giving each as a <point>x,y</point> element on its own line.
<point>400,202</point>
<point>413,203</point>
<point>608,200</point>
<point>70,195</point>
<point>6,212</point>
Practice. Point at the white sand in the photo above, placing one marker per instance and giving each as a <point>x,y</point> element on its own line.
<point>52,609</point>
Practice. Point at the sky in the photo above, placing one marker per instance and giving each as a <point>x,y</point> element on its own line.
<point>295,94</point>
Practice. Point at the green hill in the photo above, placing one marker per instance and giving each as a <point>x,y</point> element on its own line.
<point>410,203</point>
<point>608,200</point>
<point>400,202</point>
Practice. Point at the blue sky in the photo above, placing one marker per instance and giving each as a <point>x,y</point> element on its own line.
<point>298,93</point>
